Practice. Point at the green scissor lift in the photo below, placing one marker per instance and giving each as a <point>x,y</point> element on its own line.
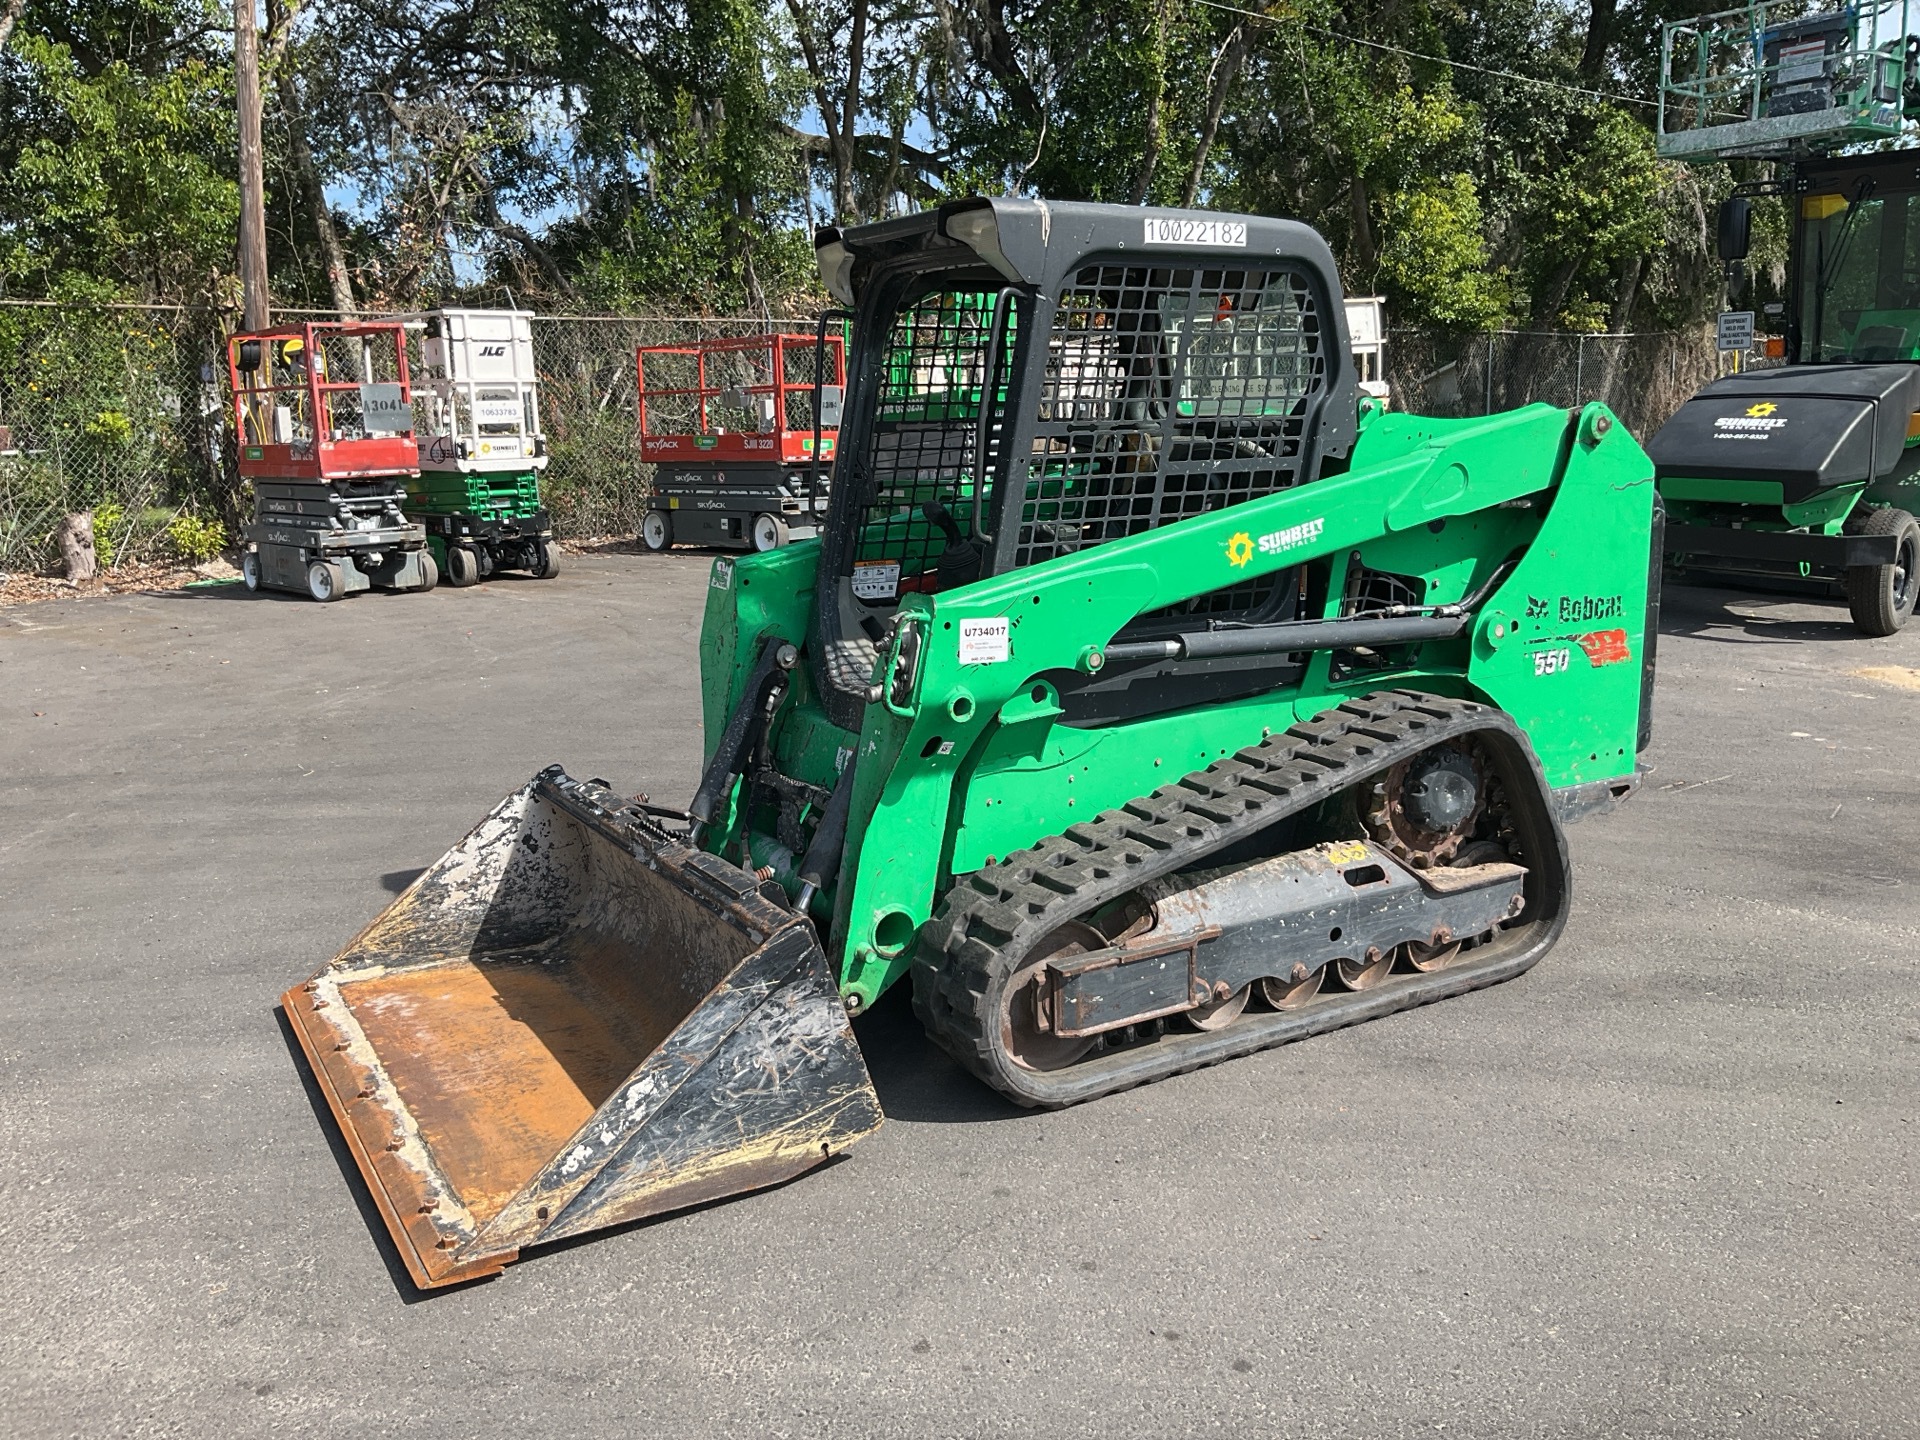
<point>481,447</point>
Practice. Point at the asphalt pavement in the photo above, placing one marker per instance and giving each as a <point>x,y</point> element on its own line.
<point>1664,1185</point>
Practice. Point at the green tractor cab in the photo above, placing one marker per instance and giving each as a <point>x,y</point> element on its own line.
<point>1805,478</point>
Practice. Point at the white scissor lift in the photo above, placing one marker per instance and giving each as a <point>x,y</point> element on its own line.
<point>481,446</point>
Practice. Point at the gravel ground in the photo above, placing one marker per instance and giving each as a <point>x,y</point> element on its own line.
<point>1663,1185</point>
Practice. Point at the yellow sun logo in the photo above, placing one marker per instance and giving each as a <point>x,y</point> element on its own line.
<point>1765,407</point>
<point>1240,549</point>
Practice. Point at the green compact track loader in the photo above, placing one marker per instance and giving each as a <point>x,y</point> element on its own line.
<point>1148,699</point>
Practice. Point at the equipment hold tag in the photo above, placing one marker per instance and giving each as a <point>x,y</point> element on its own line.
<point>1734,330</point>
<point>985,642</point>
<point>722,575</point>
<point>876,579</point>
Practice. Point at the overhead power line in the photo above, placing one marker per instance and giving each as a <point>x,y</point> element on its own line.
<point>1431,59</point>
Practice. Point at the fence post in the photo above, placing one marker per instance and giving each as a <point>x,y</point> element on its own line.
<point>1579,368</point>
<point>1488,410</point>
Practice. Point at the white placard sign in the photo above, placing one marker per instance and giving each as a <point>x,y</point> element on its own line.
<point>1218,234</point>
<point>876,579</point>
<point>384,407</point>
<point>985,642</point>
<point>1736,330</point>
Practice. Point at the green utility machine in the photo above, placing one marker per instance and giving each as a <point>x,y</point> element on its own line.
<point>1150,697</point>
<point>323,423</point>
<point>1805,476</point>
<point>482,450</point>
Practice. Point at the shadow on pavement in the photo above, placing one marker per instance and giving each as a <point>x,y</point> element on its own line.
<point>914,1079</point>
<point>1707,613</point>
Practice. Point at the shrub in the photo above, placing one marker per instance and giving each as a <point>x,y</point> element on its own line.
<point>194,540</point>
<point>108,519</point>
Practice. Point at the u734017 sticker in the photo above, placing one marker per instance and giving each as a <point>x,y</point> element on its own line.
<point>985,642</point>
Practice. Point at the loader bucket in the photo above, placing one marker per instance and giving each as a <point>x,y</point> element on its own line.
<point>572,1020</point>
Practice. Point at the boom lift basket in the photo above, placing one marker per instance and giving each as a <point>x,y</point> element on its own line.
<point>570,1021</point>
<point>1770,79</point>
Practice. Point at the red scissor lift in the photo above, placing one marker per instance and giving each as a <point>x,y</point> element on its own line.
<point>740,434</point>
<point>323,415</point>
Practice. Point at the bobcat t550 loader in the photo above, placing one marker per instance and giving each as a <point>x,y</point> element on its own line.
<point>1148,699</point>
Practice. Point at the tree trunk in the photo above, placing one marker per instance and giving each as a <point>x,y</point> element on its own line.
<point>1150,147</point>
<point>1593,57</point>
<point>253,204</point>
<point>1225,69</point>
<point>333,258</point>
<point>850,114</point>
<point>332,255</point>
<point>1365,256</point>
<point>9,16</point>
<point>75,539</point>
<point>1612,352</point>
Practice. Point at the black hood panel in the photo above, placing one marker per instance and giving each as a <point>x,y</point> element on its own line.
<point>1808,427</point>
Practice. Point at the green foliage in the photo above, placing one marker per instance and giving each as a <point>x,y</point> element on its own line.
<point>117,173</point>
<point>1434,254</point>
<point>196,540</point>
<point>1461,159</point>
<point>109,531</point>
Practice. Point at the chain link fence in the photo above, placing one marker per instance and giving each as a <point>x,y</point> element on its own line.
<point>1642,378</point>
<point>123,411</point>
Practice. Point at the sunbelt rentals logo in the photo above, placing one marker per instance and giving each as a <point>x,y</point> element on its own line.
<point>1757,423</point>
<point>1241,546</point>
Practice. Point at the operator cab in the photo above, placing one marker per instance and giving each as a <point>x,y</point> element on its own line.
<point>1856,261</point>
<point>1036,379</point>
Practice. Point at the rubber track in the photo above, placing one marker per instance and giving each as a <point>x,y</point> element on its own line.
<point>994,916</point>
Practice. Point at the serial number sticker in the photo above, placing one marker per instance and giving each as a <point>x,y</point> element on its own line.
<point>876,579</point>
<point>1220,234</point>
<point>985,642</point>
<point>722,575</point>
<point>1552,662</point>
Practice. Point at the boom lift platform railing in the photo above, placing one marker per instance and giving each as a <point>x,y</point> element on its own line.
<point>1784,79</point>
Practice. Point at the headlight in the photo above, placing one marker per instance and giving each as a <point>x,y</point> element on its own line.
<point>836,264</point>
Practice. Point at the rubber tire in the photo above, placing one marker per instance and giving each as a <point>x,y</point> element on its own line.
<point>325,583</point>
<point>1881,597</point>
<point>546,560</point>
<point>769,532</point>
<point>429,572</point>
<point>250,571</point>
<point>463,567</point>
<point>657,536</point>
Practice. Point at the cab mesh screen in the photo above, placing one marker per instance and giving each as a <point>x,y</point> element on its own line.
<point>1169,392</point>
<point>926,424</point>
